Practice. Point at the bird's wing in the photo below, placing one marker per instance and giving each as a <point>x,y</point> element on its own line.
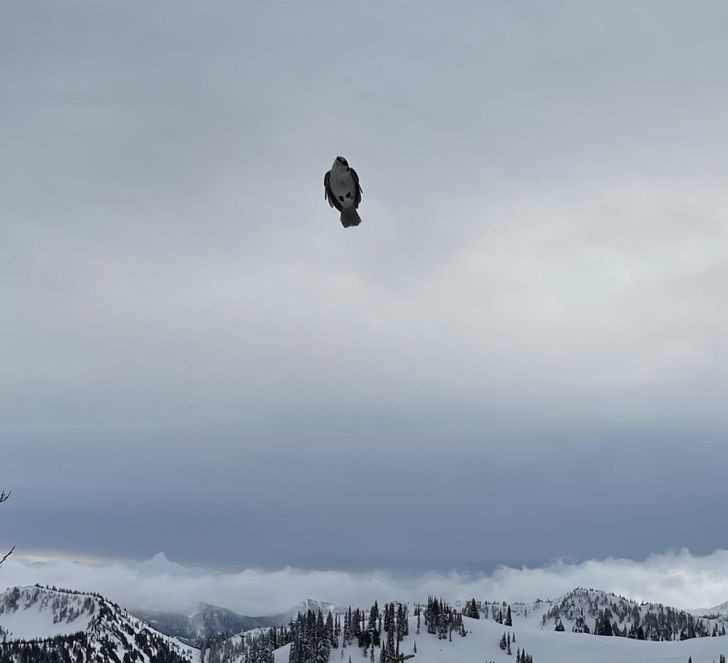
<point>357,188</point>
<point>328,193</point>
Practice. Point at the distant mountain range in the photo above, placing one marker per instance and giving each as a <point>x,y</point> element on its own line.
<point>50,625</point>
<point>205,621</point>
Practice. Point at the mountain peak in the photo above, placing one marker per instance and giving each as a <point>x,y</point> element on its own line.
<point>314,605</point>
<point>67,617</point>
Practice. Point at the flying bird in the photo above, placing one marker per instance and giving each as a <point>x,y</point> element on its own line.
<point>342,190</point>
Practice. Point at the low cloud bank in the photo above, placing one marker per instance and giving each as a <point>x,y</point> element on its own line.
<point>680,579</point>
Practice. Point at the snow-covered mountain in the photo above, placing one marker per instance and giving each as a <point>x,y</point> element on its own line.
<point>42,624</point>
<point>717,611</point>
<point>483,641</point>
<point>302,608</point>
<point>202,622</point>
<point>603,613</point>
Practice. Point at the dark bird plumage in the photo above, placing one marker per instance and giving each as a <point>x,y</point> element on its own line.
<point>343,191</point>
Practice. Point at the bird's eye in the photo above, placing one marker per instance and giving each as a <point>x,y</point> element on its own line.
<point>348,195</point>
<point>341,198</point>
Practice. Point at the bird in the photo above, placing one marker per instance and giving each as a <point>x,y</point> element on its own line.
<point>342,190</point>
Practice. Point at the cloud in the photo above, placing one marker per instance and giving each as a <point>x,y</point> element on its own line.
<point>674,578</point>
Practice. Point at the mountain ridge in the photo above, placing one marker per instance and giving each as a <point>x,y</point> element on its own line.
<point>204,621</point>
<point>51,625</point>
<point>47,623</point>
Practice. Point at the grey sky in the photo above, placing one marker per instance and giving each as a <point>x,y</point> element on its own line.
<point>522,347</point>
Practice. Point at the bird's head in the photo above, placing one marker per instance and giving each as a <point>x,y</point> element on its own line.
<point>341,164</point>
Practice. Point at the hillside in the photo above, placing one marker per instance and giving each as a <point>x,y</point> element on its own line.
<point>204,622</point>
<point>716,612</point>
<point>466,640</point>
<point>545,646</point>
<point>302,608</point>
<point>604,613</point>
<point>42,624</point>
<point>201,623</point>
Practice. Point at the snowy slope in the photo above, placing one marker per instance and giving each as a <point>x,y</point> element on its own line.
<point>91,629</point>
<point>545,646</point>
<point>86,627</point>
<point>584,611</point>
<point>717,611</point>
<point>32,612</point>
<point>548,646</point>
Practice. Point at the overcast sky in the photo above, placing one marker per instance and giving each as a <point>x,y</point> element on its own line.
<point>519,356</point>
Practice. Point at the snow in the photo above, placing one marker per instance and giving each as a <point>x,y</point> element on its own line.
<point>37,612</point>
<point>548,646</point>
<point>312,604</point>
<point>545,646</point>
<point>28,613</point>
<point>721,609</point>
<point>33,612</point>
<point>281,654</point>
<point>35,622</point>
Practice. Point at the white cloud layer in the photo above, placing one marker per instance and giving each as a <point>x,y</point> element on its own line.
<point>680,579</point>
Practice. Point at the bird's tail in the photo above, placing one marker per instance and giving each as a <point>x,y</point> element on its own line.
<point>350,217</point>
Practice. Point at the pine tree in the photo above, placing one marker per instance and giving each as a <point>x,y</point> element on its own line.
<point>402,628</point>
<point>347,627</point>
<point>389,627</point>
<point>329,630</point>
<point>372,625</point>
<point>607,626</point>
<point>471,610</point>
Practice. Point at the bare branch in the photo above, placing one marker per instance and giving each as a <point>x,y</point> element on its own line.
<point>6,555</point>
<point>3,497</point>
